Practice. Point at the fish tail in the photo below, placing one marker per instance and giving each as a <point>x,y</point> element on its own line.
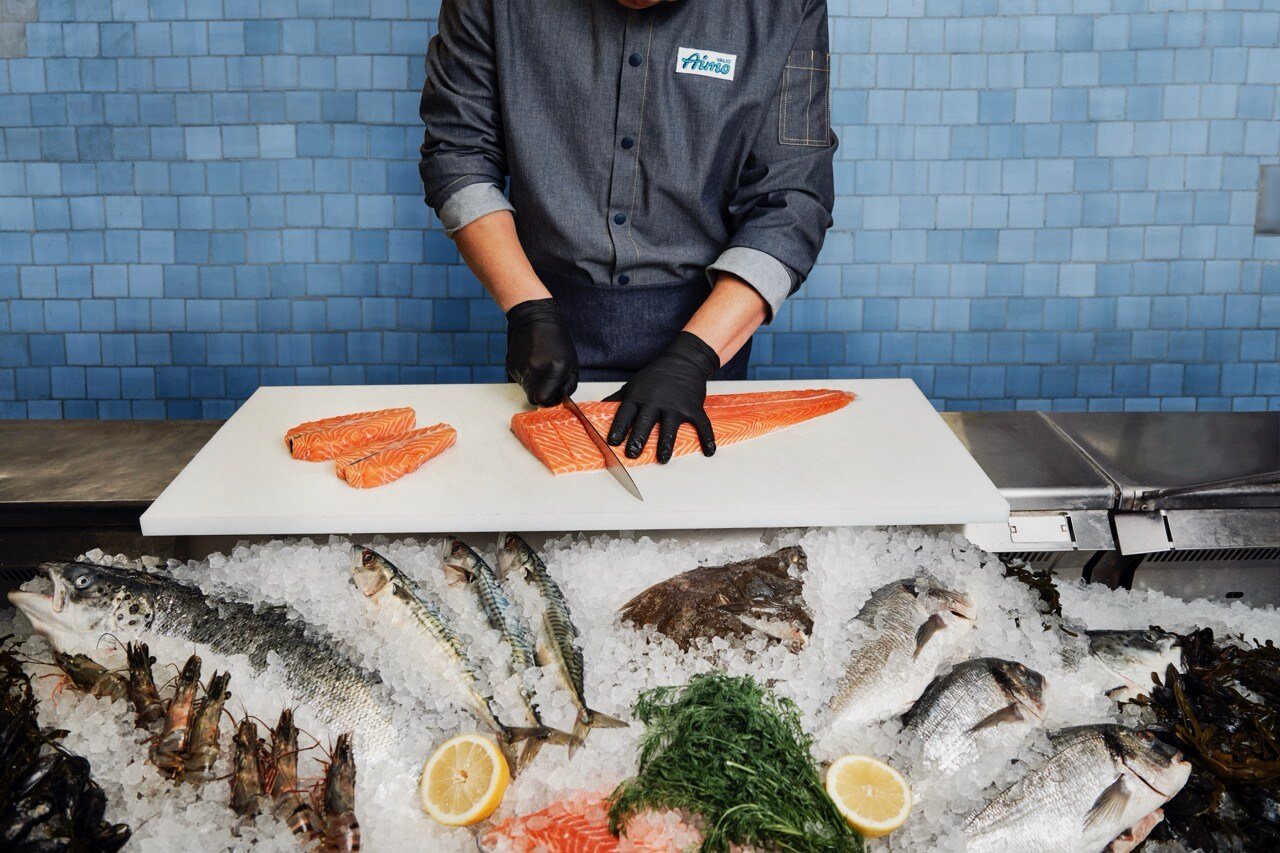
<point>534,742</point>
<point>588,720</point>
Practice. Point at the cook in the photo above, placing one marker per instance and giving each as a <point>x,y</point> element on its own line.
<point>670,184</point>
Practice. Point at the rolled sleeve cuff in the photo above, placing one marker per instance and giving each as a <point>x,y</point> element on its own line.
<point>469,204</point>
<point>771,278</point>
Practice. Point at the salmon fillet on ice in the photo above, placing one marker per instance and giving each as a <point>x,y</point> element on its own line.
<point>581,825</point>
<point>555,436</point>
<point>386,461</point>
<point>329,438</point>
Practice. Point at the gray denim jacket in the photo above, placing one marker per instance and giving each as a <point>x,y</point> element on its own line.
<point>642,147</point>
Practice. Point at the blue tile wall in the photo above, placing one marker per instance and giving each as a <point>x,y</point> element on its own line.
<point>1043,204</point>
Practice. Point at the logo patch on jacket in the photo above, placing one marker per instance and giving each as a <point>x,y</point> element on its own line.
<point>707,63</point>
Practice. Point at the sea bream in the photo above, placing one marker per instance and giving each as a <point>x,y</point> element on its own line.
<point>400,598</point>
<point>981,707</point>
<point>1099,781</point>
<point>557,636</point>
<point>97,609</point>
<point>463,566</point>
<point>1133,657</point>
<point>914,625</point>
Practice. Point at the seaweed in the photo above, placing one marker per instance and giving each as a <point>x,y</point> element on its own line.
<point>1039,581</point>
<point>1223,712</point>
<point>48,801</point>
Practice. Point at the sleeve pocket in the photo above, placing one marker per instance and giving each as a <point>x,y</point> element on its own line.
<point>804,115</point>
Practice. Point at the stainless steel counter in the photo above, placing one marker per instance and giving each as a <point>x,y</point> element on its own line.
<point>90,472</point>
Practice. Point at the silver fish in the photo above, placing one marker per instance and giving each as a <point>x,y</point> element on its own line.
<point>918,624</point>
<point>463,566</point>
<point>388,587</point>
<point>1133,657</point>
<point>1098,782</point>
<point>99,608</point>
<point>557,636</point>
<point>981,706</point>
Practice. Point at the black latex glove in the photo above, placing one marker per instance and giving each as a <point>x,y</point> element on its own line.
<point>671,391</point>
<point>540,353</point>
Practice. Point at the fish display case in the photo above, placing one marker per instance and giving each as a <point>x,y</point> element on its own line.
<point>869,634</point>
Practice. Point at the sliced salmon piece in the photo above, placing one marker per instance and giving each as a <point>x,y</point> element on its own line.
<point>581,825</point>
<point>331,437</point>
<point>382,462</point>
<point>555,436</point>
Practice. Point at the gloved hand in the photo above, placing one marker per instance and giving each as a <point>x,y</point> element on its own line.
<point>540,353</point>
<point>669,392</point>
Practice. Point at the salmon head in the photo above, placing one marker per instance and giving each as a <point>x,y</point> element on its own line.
<point>88,604</point>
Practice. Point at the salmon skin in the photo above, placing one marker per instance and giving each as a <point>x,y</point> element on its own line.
<point>329,438</point>
<point>387,461</point>
<point>557,438</point>
<point>581,825</point>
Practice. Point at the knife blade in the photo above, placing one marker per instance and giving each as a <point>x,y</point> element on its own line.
<point>612,463</point>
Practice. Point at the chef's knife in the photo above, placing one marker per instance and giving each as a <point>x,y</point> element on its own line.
<point>612,463</point>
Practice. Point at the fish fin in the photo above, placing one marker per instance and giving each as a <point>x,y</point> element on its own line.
<point>455,575</point>
<point>526,756</point>
<point>1120,693</point>
<point>604,721</point>
<point>931,626</point>
<point>588,720</point>
<point>1110,804</point>
<point>515,760</point>
<point>1011,713</point>
<point>542,654</point>
<point>722,600</point>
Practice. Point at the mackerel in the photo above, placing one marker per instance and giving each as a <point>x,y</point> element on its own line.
<point>557,635</point>
<point>464,567</point>
<point>385,585</point>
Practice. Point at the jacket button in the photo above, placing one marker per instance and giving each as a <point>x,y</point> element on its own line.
<point>619,218</point>
<point>635,60</point>
<point>624,279</point>
<point>627,142</point>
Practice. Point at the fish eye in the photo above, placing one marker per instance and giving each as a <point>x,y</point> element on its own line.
<point>83,581</point>
<point>367,557</point>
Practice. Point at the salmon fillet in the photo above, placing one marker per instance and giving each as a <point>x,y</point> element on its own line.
<point>331,437</point>
<point>379,463</point>
<point>555,436</point>
<point>581,825</point>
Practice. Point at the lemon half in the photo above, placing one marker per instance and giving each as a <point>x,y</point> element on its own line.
<point>464,780</point>
<point>872,796</point>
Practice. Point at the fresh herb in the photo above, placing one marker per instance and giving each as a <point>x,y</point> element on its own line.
<point>732,752</point>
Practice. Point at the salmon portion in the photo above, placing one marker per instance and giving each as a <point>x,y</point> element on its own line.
<point>556,437</point>
<point>329,438</point>
<point>379,463</point>
<point>581,825</point>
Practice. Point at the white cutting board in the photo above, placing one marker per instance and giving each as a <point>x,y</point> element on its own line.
<point>886,458</point>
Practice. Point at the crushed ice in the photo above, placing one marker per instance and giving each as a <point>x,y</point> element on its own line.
<point>598,574</point>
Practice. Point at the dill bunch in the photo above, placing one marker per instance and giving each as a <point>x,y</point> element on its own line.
<point>732,752</point>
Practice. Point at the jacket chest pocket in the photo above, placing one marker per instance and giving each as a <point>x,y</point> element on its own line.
<point>804,110</point>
